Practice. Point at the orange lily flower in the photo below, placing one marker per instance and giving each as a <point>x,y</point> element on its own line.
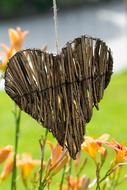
<point>58,160</point>
<point>5,152</point>
<point>9,53</point>
<point>17,38</point>
<point>93,146</point>
<point>81,183</point>
<point>8,168</point>
<point>120,150</point>
<point>27,164</point>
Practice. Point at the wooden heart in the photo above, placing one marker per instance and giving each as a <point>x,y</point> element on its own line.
<point>60,91</point>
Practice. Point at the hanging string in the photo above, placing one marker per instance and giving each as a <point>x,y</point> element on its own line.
<point>56,24</point>
<point>58,49</point>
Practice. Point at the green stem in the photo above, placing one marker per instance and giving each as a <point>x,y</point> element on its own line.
<point>115,179</point>
<point>17,117</point>
<point>69,173</point>
<point>108,173</point>
<point>70,169</point>
<point>62,179</point>
<point>82,167</point>
<point>42,145</point>
<point>43,185</point>
<point>98,176</point>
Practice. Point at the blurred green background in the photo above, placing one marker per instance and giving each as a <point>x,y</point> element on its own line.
<point>19,8</point>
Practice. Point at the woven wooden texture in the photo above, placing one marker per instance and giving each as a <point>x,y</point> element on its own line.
<point>60,91</point>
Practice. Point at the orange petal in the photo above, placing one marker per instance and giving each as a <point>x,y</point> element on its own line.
<point>91,147</point>
<point>50,144</point>
<point>59,165</point>
<point>14,37</point>
<point>103,138</point>
<point>17,38</point>
<point>56,152</point>
<point>8,168</point>
<point>4,153</point>
<point>27,164</point>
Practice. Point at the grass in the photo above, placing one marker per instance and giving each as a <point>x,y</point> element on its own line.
<point>112,119</point>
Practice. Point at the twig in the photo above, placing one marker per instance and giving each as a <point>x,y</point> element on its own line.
<point>17,117</point>
<point>42,145</point>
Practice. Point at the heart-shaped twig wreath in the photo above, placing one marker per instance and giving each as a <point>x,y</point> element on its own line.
<point>60,91</point>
